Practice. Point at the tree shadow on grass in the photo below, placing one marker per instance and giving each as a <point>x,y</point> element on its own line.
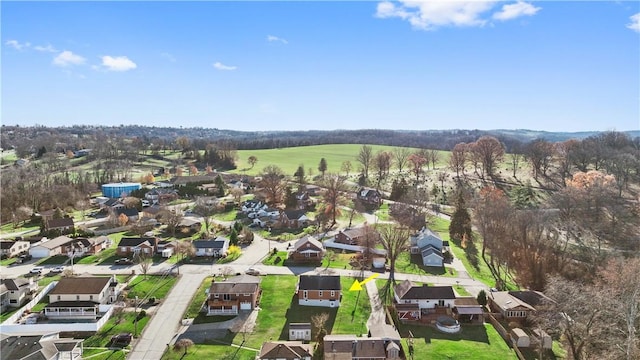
<point>302,314</point>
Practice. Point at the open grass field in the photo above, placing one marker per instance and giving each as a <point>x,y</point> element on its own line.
<point>288,159</point>
<point>474,342</point>
<point>115,325</point>
<point>280,307</point>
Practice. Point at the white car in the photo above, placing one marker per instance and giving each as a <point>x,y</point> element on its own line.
<point>57,269</point>
<point>37,270</point>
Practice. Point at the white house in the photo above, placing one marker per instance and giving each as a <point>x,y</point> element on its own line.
<point>214,247</point>
<point>46,247</point>
<point>79,298</point>
<point>429,246</point>
<point>411,301</point>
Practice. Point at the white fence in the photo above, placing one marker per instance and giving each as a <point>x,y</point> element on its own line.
<point>330,243</point>
<point>10,327</point>
<point>18,314</point>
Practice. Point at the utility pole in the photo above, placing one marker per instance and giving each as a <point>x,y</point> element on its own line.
<point>135,321</point>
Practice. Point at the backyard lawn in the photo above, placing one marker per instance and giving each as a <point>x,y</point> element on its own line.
<point>117,324</point>
<point>215,351</point>
<point>152,286</point>
<point>279,307</point>
<point>473,342</point>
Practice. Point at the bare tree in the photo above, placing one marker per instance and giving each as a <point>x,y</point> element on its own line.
<point>346,167</point>
<point>144,262</point>
<point>434,157</point>
<point>365,158</point>
<point>185,249</point>
<point>400,156</point>
<point>252,160</point>
<point>272,184</point>
<point>334,187</point>
<point>319,322</point>
<point>183,344</point>
<point>417,163</point>
<point>489,151</point>
<point>171,218</point>
<point>395,240</point>
<point>458,158</point>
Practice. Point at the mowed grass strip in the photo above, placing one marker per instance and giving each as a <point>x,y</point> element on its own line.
<point>151,286</point>
<point>279,307</point>
<point>218,352</point>
<point>474,342</point>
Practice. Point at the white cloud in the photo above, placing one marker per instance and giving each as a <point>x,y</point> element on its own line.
<point>220,66</point>
<point>67,58</point>
<point>635,22</point>
<point>17,45</point>
<point>512,11</point>
<point>168,56</point>
<point>118,63</point>
<point>47,48</point>
<point>271,38</point>
<point>429,15</point>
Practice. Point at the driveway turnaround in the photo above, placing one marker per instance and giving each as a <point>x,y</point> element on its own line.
<point>164,324</point>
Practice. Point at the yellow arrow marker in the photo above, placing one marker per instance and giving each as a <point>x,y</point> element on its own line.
<point>357,285</point>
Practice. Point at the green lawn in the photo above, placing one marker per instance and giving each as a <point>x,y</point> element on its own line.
<point>226,216</point>
<point>280,307</point>
<point>103,354</point>
<point>152,286</point>
<point>288,159</point>
<point>473,342</point>
<point>98,258</point>
<point>383,213</point>
<point>276,260</point>
<point>213,351</point>
<point>8,261</point>
<point>54,260</point>
<point>405,264</point>
<point>126,324</point>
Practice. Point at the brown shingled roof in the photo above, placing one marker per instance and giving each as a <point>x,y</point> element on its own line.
<point>81,285</point>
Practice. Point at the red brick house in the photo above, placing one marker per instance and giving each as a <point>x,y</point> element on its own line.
<point>292,219</point>
<point>369,196</point>
<point>307,250</point>
<point>231,296</point>
<point>319,290</point>
<point>64,225</point>
<point>129,246</point>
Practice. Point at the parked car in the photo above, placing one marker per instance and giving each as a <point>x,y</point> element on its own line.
<point>37,270</point>
<point>24,258</point>
<point>57,269</point>
<point>122,339</point>
<point>124,261</point>
<point>252,271</point>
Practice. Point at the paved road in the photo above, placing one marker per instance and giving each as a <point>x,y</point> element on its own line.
<point>162,327</point>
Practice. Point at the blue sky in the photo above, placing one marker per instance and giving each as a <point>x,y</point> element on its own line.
<point>541,65</point>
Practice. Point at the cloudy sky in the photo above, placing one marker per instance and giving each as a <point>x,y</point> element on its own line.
<point>542,65</point>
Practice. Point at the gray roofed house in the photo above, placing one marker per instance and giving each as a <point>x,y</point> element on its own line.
<point>40,347</point>
<point>412,301</point>
<point>213,247</point>
<point>319,290</point>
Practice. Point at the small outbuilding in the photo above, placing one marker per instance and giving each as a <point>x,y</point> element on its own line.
<point>300,331</point>
<point>520,338</point>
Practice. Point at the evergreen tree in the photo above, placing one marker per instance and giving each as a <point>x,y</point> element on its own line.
<point>299,174</point>
<point>322,167</point>
<point>233,237</point>
<point>460,226</point>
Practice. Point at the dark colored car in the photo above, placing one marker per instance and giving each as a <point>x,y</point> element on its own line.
<point>122,339</point>
<point>123,261</point>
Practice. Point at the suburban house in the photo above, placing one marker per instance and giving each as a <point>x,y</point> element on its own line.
<point>304,201</point>
<point>369,196</point>
<point>79,298</point>
<point>300,331</point>
<point>213,247</point>
<point>64,225</point>
<point>238,293</point>
<point>414,302</point>
<point>60,245</point>
<point>9,249</point>
<point>49,346</point>
<point>189,224</point>
<point>307,249</point>
<point>166,248</point>
<point>194,179</point>
<point>313,190</point>
<point>161,195</point>
<point>285,350</point>
<point>356,236</point>
<point>131,246</point>
<point>429,247</point>
<point>15,292</point>
<point>319,290</point>
<point>293,219</point>
<point>132,214</point>
<point>516,305</point>
<point>346,347</point>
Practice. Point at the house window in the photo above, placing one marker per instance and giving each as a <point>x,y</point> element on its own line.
<point>13,301</point>
<point>320,293</point>
<point>90,297</point>
<point>123,248</point>
<point>216,296</point>
<point>77,297</point>
<point>58,297</point>
<point>333,293</point>
<point>226,297</point>
<point>304,294</point>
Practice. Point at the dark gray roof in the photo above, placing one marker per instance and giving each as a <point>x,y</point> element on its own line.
<point>217,243</point>
<point>425,292</point>
<point>127,211</point>
<point>130,241</point>
<point>319,282</point>
<point>6,244</point>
